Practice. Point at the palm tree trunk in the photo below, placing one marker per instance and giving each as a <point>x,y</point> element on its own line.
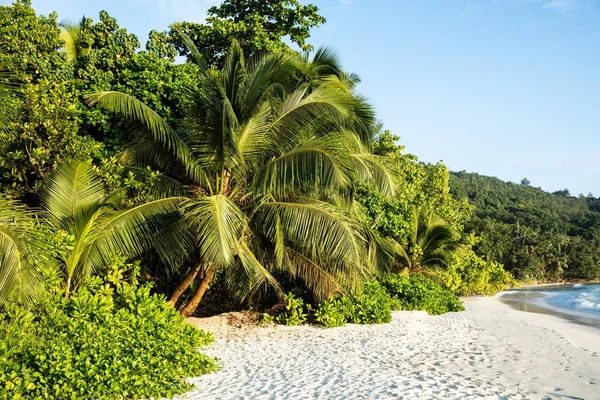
<point>68,288</point>
<point>182,287</point>
<point>195,300</point>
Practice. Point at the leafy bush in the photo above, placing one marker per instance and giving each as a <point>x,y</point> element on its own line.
<point>330,314</point>
<point>469,274</point>
<point>371,306</point>
<point>294,312</point>
<point>419,293</point>
<point>113,340</point>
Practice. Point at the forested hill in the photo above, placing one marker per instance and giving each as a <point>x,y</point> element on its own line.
<point>536,234</point>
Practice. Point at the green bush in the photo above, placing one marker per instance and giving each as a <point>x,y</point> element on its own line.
<point>330,314</point>
<point>371,306</point>
<point>468,274</point>
<point>419,293</point>
<point>294,312</point>
<point>113,340</point>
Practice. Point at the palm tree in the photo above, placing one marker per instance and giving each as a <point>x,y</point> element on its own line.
<point>266,157</point>
<point>70,33</point>
<point>555,257</point>
<point>25,254</point>
<point>430,245</point>
<point>76,202</point>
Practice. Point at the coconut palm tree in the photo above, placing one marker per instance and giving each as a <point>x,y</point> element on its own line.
<point>70,33</point>
<point>76,202</point>
<point>25,254</point>
<point>266,157</point>
<point>430,245</point>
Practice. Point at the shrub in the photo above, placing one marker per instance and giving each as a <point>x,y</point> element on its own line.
<point>294,312</point>
<point>371,306</point>
<point>113,340</point>
<point>330,314</point>
<point>419,293</point>
<point>469,274</point>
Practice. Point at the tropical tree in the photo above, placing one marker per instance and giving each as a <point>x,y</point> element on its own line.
<point>8,90</point>
<point>71,34</point>
<point>431,244</point>
<point>76,202</point>
<point>258,25</point>
<point>267,156</point>
<point>25,254</point>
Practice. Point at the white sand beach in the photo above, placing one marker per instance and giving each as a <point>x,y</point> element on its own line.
<point>490,351</point>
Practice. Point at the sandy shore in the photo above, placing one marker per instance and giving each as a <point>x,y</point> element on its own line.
<point>490,351</point>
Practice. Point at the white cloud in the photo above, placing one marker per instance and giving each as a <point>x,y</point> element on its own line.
<point>561,5</point>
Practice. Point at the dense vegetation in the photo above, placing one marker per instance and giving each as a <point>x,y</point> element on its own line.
<point>226,181</point>
<point>113,339</point>
<point>536,235</point>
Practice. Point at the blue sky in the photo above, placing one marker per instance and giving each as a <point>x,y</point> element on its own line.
<point>509,88</point>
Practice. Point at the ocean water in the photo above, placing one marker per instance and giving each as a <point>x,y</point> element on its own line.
<point>578,303</point>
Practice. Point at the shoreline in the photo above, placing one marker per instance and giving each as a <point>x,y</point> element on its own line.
<point>490,351</point>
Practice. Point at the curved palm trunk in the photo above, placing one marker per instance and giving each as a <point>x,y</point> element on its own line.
<point>182,287</point>
<point>195,300</point>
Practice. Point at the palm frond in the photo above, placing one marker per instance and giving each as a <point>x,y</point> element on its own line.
<point>132,108</point>
<point>218,223</point>
<point>72,189</point>
<point>70,47</point>
<point>257,274</point>
<point>333,235</point>
<point>191,47</point>
<point>320,163</point>
<point>156,224</point>
<point>321,282</point>
<point>25,253</point>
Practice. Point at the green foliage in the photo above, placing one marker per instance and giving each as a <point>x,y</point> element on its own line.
<point>76,202</point>
<point>266,320</point>
<point>331,314</point>
<point>30,43</point>
<point>419,293</point>
<point>265,167</point>
<point>257,25</point>
<point>294,312</point>
<point>535,235</point>
<point>27,255</point>
<point>468,274</point>
<point>372,305</point>
<point>424,189</point>
<point>113,340</point>
<point>45,134</point>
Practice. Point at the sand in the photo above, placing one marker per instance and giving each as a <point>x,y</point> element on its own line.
<point>490,351</point>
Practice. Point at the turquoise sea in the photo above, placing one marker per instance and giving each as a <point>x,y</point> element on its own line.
<point>578,303</point>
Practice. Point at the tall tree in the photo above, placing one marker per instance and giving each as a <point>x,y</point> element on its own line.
<point>267,161</point>
<point>255,24</point>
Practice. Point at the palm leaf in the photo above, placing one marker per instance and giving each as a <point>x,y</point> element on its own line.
<point>132,108</point>
<point>333,235</point>
<point>218,223</point>
<point>72,189</point>
<point>153,225</point>
<point>25,253</point>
